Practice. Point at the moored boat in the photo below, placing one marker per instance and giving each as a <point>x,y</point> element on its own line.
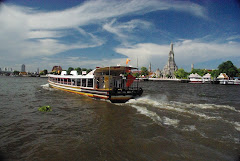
<point>109,83</point>
<point>195,78</point>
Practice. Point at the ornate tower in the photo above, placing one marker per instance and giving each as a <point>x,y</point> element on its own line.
<point>150,68</point>
<point>171,67</point>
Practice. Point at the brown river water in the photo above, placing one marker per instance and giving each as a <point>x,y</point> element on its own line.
<point>171,121</point>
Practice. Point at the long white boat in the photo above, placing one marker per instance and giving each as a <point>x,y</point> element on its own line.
<point>107,83</point>
<point>195,78</point>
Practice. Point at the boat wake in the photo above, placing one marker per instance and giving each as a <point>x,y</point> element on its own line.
<point>186,116</point>
<point>47,87</point>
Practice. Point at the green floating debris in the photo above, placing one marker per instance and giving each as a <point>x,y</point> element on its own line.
<point>45,109</point>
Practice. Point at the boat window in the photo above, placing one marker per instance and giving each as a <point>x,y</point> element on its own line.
<point>69,80</point>
<point>78,82</point>
<point>65,80</point>
<point>58,80</point>
<point>73,82</point>
<point>90,83</point>
<point>84,82</point>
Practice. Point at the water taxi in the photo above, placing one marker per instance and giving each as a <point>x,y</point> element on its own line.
<point>195,78</point>
<point>114,83</point>
<point>225,80</point>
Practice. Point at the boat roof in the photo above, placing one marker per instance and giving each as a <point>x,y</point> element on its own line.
<point>223,75</point>
<point>113,70</point>
<point>121,69</point>
<point>194,76</point>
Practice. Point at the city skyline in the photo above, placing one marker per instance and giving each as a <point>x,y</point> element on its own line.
<point>91,33</point>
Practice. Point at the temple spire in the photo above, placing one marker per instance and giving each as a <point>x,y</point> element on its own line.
<point>171,46</point>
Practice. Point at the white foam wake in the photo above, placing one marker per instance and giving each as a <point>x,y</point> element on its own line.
<point>185,109</point>
<point>179,107</point>
<point>47,87</point>
<point>150,114</point>
<point>155,117</point>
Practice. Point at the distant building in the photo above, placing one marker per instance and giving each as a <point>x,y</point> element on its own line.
<point>23,69</point>
<point>57,69</point>
<point>192,66</point>
<point>158,73</point>
<point>150,68</point>
<point>37,70</point>
<point>170,67</point>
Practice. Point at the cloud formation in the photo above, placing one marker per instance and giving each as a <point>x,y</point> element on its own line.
<point>27,32</point>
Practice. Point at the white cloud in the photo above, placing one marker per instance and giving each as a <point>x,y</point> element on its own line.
<point>126,31</point>
<point>45,34</point>
<point>92,11</point>
<point>234,37</point>
<point>27,32</point>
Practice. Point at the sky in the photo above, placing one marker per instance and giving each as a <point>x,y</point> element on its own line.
<point>91,33</point>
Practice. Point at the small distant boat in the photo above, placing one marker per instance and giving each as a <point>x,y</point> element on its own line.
<point>195,78</point>
<point>224,79</point>
<point>207,78</point>
<point>107,83</point>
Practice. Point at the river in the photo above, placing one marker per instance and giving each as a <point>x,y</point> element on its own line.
<point>171,121</point>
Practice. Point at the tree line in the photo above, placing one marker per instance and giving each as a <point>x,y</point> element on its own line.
<point>226,67</point>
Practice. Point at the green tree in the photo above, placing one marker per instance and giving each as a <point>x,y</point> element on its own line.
<point>201,72</point>
<point>180,73</point>
<point>136,74</point>
<point>44,72</point>
<point>79,70</point>
<point>214,73</point>
<point>69,70</point>
<point>144,71</point>
<point>228,68</point>
<point>89,70</point>
<point>15,72</point>
<point>238,75</point>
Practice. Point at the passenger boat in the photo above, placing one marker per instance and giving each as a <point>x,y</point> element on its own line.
<point>224,79</point>
<point>206,78</point>
<point>195,78</point>
<point>114,83</point>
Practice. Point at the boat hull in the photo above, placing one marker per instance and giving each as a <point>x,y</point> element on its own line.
<point>114,97</point>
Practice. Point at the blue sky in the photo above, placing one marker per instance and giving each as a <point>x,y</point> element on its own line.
<point>106,32</point>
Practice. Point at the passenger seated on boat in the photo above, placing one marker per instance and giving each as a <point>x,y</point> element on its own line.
<point>73,82</point>
<point>97,86</point>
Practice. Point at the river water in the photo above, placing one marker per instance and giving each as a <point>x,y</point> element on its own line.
<point>171,121</point>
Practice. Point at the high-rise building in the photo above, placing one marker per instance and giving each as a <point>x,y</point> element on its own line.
<point>150,68</point>
<point>23,68</point>
<point>170,67</point>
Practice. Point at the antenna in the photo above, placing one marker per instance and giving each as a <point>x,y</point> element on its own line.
<point>137,62</point>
